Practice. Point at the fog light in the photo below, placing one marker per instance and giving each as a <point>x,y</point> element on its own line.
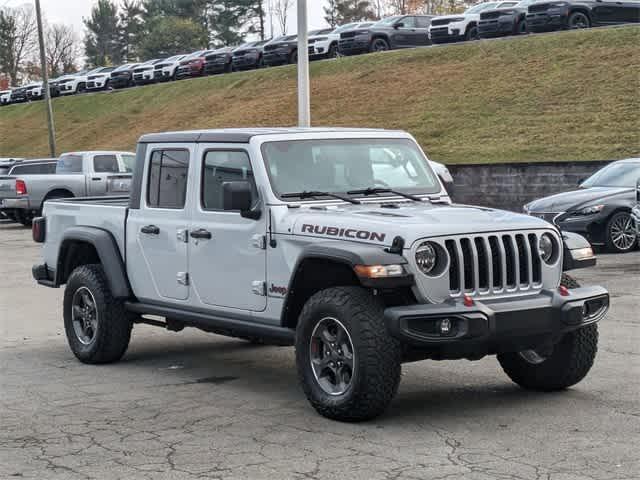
<point>445,326</point>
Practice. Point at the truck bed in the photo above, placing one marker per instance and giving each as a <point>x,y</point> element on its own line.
<point>107,213</point>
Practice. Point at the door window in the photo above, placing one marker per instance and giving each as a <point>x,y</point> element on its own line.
<point>105,164</point>
<point>69,164</point>
<point>167,183</point>
<point>408,22</point>
<point>222,166</point>
<point>423,22</point>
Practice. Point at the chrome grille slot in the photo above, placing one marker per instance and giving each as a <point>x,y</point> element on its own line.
<point>493,264</point>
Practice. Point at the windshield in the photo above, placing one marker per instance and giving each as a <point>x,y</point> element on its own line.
<point>523,3</point>
<point>615,175</point>
<point>342,28</point>
<point>342,165</point>
<point>480,6</point>
<point>388,21</point>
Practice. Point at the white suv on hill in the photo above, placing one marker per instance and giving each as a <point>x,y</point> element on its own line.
<point>464,26</point>
<point>166,69</point>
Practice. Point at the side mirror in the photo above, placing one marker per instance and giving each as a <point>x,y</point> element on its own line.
<point>580,180</point>
<point>238,196</point>
<point>398,25</point>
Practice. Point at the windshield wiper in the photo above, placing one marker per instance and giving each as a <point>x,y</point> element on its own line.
<point>374,191</point>
<point>309,194</point>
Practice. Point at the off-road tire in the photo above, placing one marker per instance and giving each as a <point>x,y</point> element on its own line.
<point>569,362</point>
<point>114,325</point>
<point>377,364</point>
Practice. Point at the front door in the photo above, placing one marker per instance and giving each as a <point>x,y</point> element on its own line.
<point>227,256</point>
<point>157,231</point>
<point>405,35</point>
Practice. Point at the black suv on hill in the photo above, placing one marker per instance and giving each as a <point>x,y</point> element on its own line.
<point>560,15</point>
<point>401,31</point>
<point>281,51</point>
<point>504,21</point>
<point>219,61</point>
<point>249,55</point>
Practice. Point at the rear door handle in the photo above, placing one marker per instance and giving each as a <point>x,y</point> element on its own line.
<point>96,179</point>
<point>201,234</point>
<point>150,230</point>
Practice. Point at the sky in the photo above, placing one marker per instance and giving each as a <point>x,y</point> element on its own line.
<point>71,12</point>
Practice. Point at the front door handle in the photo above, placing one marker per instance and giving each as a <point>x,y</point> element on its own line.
<point>201,234</point>
<point>96,179</point>
<point>150,229</point>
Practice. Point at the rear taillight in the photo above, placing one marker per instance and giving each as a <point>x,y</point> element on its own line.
<point>39,229</point>
<point>21,187</point>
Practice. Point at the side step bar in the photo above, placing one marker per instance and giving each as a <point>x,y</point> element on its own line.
<point>231,327</point>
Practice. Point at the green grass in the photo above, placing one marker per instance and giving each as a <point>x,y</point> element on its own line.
<point>566,96</point>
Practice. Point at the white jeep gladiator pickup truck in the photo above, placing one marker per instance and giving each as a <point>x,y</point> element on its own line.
<point>341,242</point>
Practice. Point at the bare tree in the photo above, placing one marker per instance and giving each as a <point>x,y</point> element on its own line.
<point>281,10</point>
<point>18,39</point>
<point>63,49</point>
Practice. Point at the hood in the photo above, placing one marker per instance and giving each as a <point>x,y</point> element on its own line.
<point>413,221</point>
<point>567,201</point>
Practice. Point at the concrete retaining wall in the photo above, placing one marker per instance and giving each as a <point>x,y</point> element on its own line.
<point>511,185</point>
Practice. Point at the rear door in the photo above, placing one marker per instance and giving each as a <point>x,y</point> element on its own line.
<point>227,258</point>
<point>157,232</point>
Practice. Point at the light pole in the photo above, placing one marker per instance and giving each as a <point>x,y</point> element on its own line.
<point>45,82</point>
<point>304,108</point>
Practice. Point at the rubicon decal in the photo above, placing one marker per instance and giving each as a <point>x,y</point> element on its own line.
<point>344,232</point>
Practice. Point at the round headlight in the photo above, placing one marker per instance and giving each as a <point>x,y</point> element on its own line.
<point>545,247</point>
<point>426,258</point>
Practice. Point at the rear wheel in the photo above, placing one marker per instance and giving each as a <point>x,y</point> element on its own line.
<point>348,364</point>
<point>621,233</point>
<point>564,365</point>
<point>97,326</point>
<point>379,45</point>
<point>578,20</point>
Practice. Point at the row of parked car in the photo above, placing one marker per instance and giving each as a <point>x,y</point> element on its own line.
<point>484,20</point>
<point>601,209</point>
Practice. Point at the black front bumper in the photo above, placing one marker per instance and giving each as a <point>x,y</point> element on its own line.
<point>120,82</point>
<point>495,28</point>
<point>353,46</point>
<point>276,57</point>
<point>442,35</point>
<point>499,325</point>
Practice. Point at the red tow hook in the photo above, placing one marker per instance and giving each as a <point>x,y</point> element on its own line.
<point>468,301</point>
<point>564,291</point>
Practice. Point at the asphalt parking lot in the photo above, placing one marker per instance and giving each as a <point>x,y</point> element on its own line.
<point>194,405</point>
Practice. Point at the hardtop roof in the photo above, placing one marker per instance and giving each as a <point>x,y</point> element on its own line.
<point>242,135</point>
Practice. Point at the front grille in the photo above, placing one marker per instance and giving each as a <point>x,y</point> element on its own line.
<point>493,263</point>
<point>348,34</point>
<point>440,21</point>
<point>540,7</point>
<point>439,32</point>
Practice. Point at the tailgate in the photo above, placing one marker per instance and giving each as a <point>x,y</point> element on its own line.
<point>7,187</point>
<point>118,184</point>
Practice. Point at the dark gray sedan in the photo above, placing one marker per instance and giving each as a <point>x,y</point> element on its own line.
<point>600,209</point>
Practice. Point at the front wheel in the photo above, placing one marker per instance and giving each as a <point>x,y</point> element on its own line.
<point>566,364</point>
<point>621,233</point>
<point>97,326</point>
<point>348,364</point>
<point>521,28</point>
<point>379,45</point>
<point>578,20</point>
<point>472,33</point>
<point>293,58</point>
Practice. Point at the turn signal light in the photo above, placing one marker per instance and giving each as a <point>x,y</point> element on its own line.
<point>21,187</point>
<point>379,271</point>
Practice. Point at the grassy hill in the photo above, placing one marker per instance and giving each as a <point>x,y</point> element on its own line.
<point>567,96</point>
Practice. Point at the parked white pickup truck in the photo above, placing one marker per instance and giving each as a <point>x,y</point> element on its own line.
<point>342,242</point>
<point>78,174</point>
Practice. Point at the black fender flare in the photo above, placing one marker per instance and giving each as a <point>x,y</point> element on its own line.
<point>350,255</point>
<point>108,252</point>
<point>574,257</point>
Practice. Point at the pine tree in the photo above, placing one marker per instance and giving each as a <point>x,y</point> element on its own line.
<point>102,41</point>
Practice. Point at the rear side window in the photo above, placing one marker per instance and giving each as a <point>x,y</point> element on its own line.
<point>69,164</point>
<point>423,22</point>
<point>167,184</point>
<point>34,169</point>
<point>105,164</point>
<point>222,166</point>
